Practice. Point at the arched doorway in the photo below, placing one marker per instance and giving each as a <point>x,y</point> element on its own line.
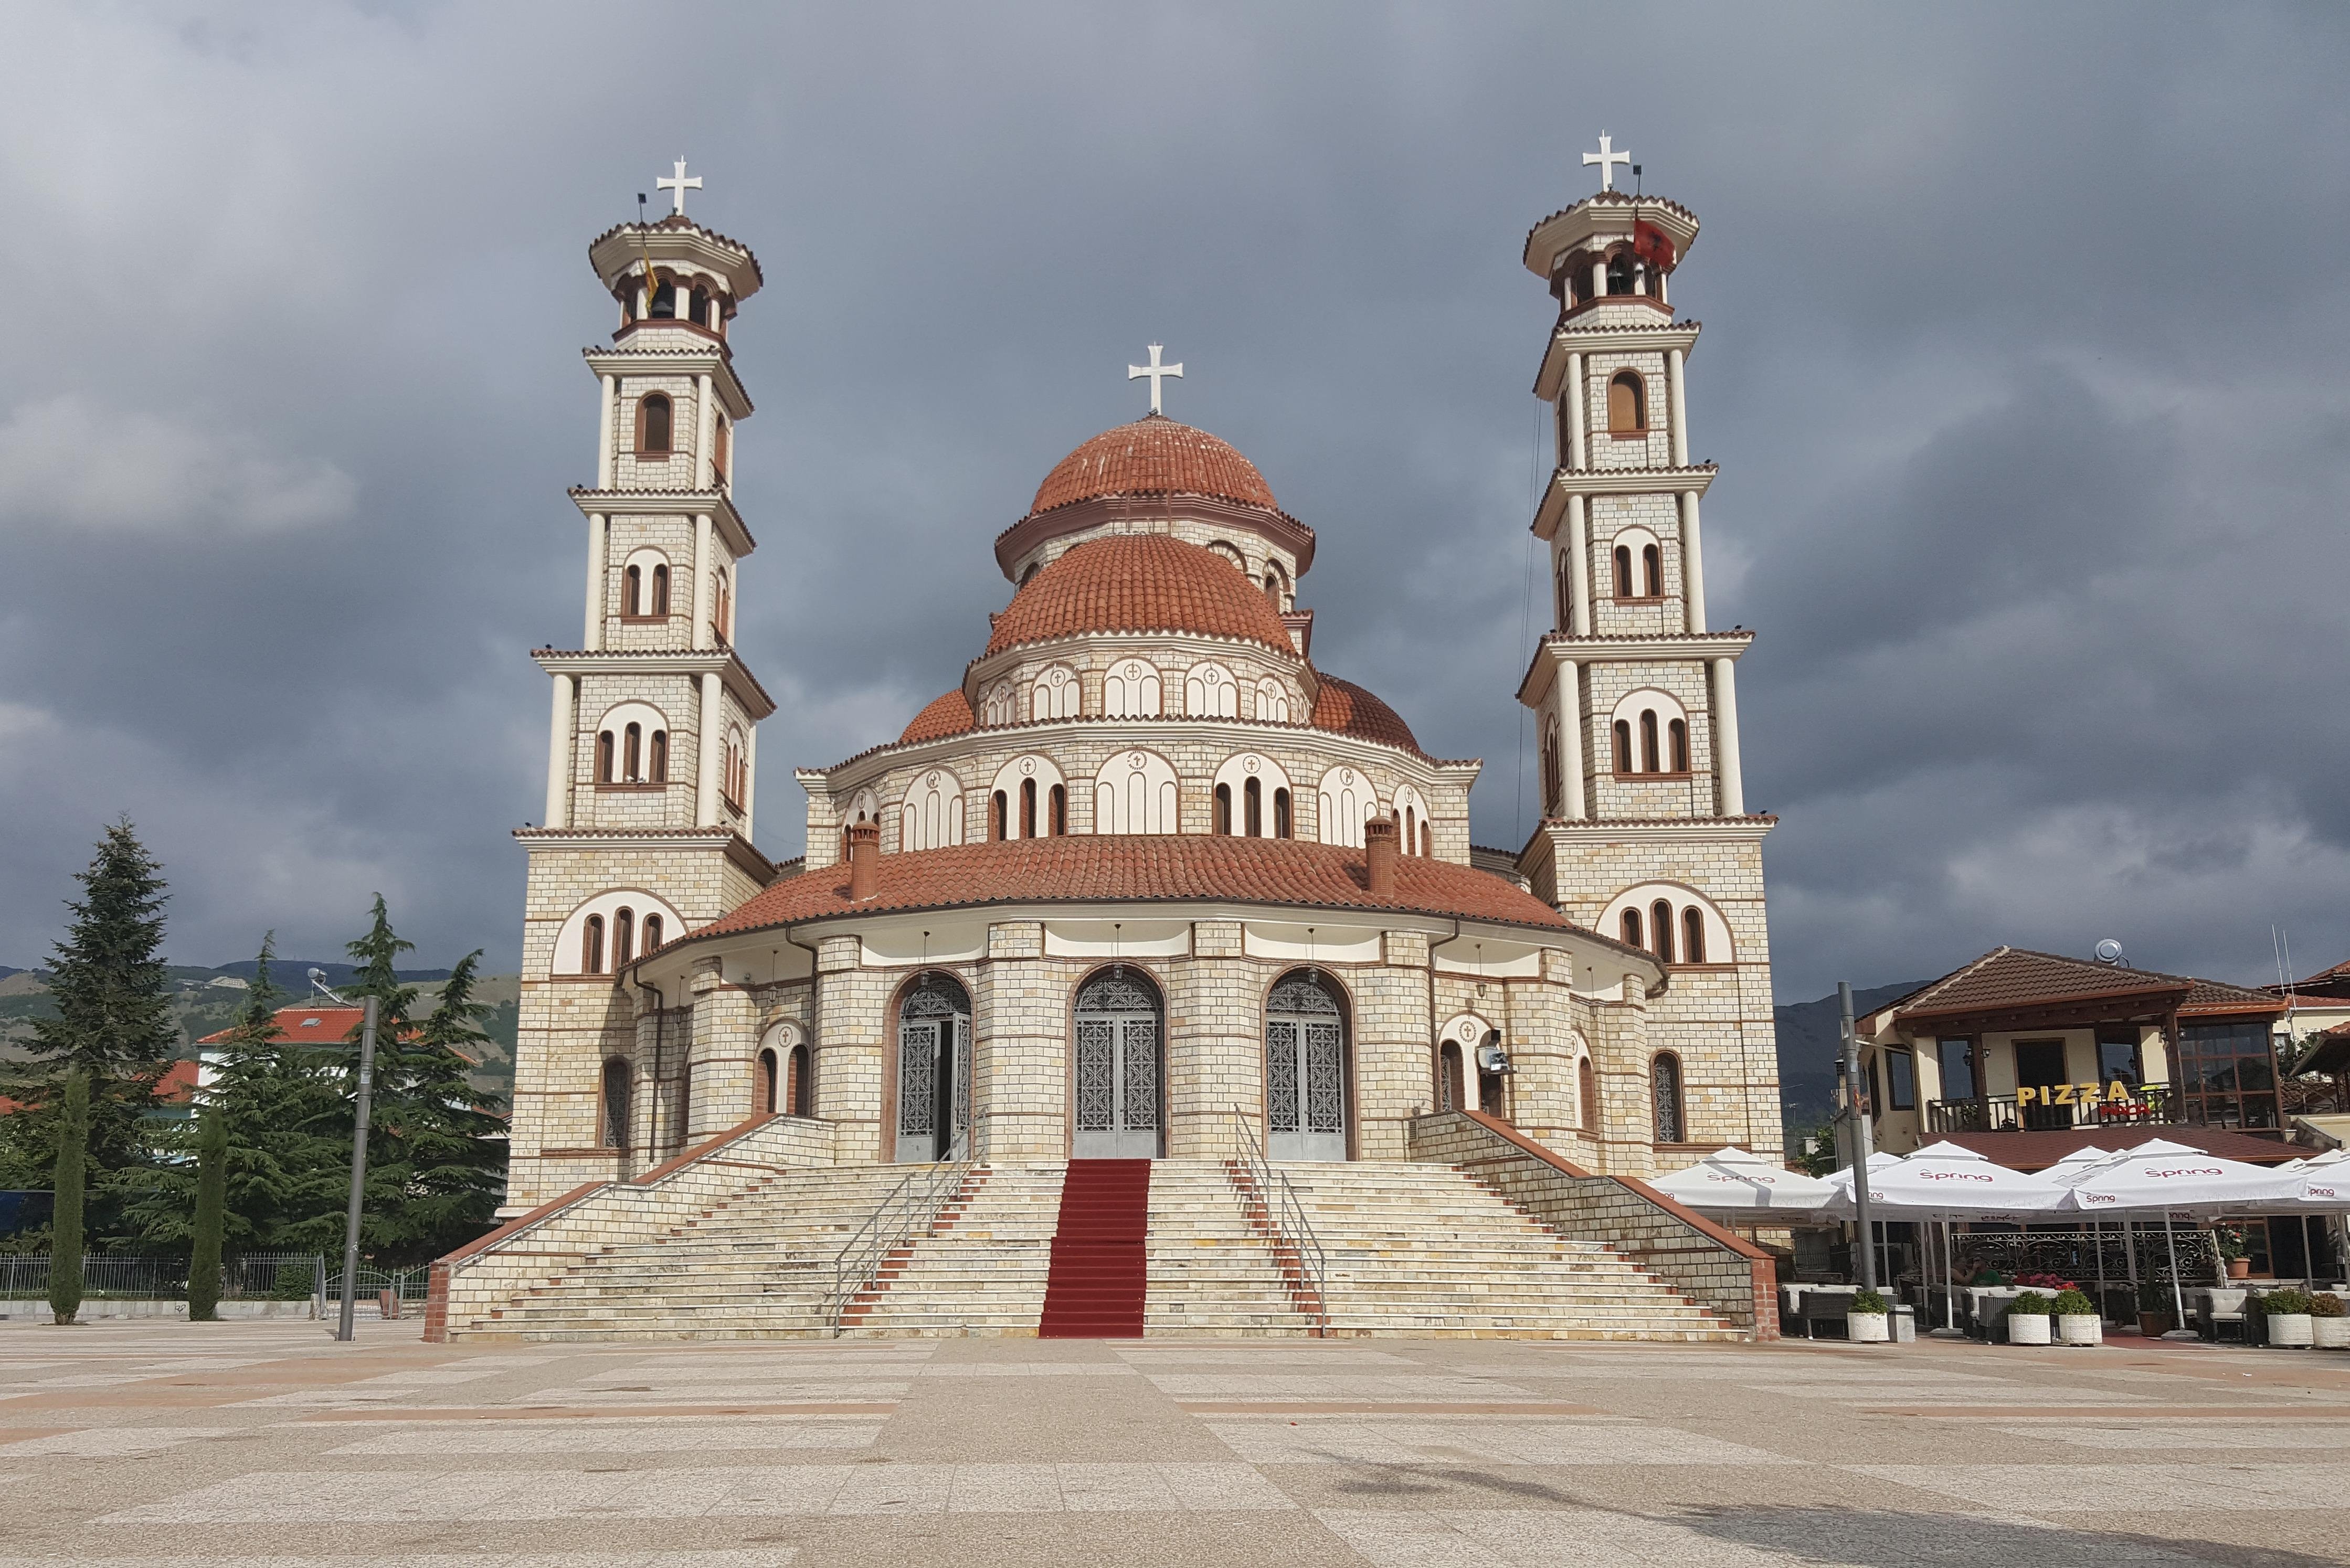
<point>1450,1078</point>
<point>1116,1091</point>
<point>799,1085</point>
<point>1304,1069</point>
<point>933,1069</point>
<point>763,1101</point>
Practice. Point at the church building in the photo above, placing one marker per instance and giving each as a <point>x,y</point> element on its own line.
<point>1145,881</point>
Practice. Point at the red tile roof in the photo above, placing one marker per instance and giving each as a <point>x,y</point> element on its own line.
<point>1185,867</point>
<point>301,1025</point>
<point>947,715</point>
<point>2039,1151</point>
<point>2012,978</point>
<point>1153,456</point>
<point>1139,582</point>
<point>1347,707</point>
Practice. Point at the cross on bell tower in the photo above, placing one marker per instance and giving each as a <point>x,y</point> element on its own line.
<point>1606,157</point>
<point>1157,373</point>
<point>676,186</point>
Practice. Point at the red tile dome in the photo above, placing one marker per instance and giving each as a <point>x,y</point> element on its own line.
<point>1154,456</point>
<point>1138,582</point>
<point>1347,707</point>
<point>949,715</point>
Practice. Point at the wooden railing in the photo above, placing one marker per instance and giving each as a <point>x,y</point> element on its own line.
<point>2060,1108</point>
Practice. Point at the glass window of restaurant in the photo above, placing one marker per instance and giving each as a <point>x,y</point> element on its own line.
<point>2227,1075</point>
<point>1957,1069</point>
<point>2118,1058</point>
<point>1900,1076</point>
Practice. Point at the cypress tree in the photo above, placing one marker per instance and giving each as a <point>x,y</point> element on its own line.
<point>64,1233</point>
<point>212,1213</point>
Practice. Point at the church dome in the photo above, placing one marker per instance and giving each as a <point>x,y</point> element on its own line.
<point>1346,708</point>
<point>949,715</point>
<point>1154,456</point>
<point>1139,582</point>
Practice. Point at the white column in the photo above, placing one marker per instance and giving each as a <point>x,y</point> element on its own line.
<point>1578,571</point>
<point>604,433</point>
<point>702,605</point>
<point>598,531</point>
<point>705,432</point>
<point>1692,564</point>
<point>1673,358</point>
<point>750,774</point>
<point>1730,786</point>
<point>1577,412</point>
<point>1570,738</point>
<point>712,723</point>
<point>1599,279</point>
<point>561,744</point>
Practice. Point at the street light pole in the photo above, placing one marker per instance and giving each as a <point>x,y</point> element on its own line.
<point>344,1327</point>
<point>1857,1108</point>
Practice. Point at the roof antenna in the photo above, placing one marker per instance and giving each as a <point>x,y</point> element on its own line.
<point>2109,954</point>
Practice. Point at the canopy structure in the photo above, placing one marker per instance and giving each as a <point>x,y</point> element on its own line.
<point>1944,1181</point>
<point>2162,1178</point>
<point>1736,1182</point>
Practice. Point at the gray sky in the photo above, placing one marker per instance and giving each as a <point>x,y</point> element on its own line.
<point>2022,363</point>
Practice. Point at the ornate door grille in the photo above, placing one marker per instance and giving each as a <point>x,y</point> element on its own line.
<point>933,1069</point>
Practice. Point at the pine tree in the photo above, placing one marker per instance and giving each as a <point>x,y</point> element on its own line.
<point>212,1202</point>
<point>113,1022</point>
<point>64,1233</point>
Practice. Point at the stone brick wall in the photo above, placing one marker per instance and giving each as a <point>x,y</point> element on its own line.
<point>1732,1278</point>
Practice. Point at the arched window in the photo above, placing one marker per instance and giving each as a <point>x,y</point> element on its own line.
<point>1060,813</point>
<point>799,1087</point>
<point>1677,732</point>
<point>996,705</point>
<point>700,301</point>
<point>657,763</point>
<point>1271,701</point>
<point>933,1089</point>
<point>1665,1094</point>
<point>1563,595</point>
<point>735,782</point>
<point>591,946</point>
<point>664,301</point>
<point>1552,780</point>
<point>1587,1095</point>
<point>999,817</point>
<point>1019,787</point>
<point>1661,927</point>
<point>1426,841</point>
<point>1692,935</point>
<point>1028,574</point>
<point>623,937</point>
<point>1253,807</point>
<point>1230,553</point>
<point>1057,694</point>
<point>1120,1025</point>
<point>1224,809</point>
<point>653,424</point>
<point>1282,827</point>
<point>1347,800</point>
<point>653,932</point>
<point>932,816</point>
<point>1649,761</point>
<point>1305,1069</point>
<point>722,451</point>
<point>613,1125</point>
<point>1211,692</point>
<point>1623,571</point>
<point>1623,745</point>
<point>1622,274</point>
<point>632,590</point>
<point>1027,808</point>
<point>1627,403</point>
<point>1276,586</point>
<point>1631,928</point>
<point>604,757</point>
<point>632,751</point>
<point>721,617</point>
<point>1652,571</point>
<point>1247,778</point>
<point>763,1092</point>
<point>1130,689</point>
<point>1134,793</point>
<point>660,590</point>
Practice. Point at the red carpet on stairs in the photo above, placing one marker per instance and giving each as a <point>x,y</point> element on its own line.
<point>1096,1288</point>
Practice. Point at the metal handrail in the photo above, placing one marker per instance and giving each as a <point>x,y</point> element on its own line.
<point>1286,1214</point>
<point>915,1201</point>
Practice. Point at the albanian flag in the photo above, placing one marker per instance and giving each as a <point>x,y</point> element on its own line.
<point>1651,245</point>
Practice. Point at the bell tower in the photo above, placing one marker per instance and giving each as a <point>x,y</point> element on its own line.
<point>652,740</point>
<point>1645,836</point>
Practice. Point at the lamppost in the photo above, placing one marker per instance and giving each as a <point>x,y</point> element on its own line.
<point>344,1327</point>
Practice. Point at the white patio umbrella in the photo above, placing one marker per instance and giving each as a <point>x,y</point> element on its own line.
<point>2069,1169</point>
<point>1738,1182</point>
<point>1946,1181</point>
<point>2170,1178</point>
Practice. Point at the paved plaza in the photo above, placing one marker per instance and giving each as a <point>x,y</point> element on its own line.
<point>240,1445</point>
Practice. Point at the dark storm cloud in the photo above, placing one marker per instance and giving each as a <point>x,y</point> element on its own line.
<point>2022,363</point>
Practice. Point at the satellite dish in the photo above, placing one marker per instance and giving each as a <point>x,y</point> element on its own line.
<point>2109,951</point>
<point>317,974</point>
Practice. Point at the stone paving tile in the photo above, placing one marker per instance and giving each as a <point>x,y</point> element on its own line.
<point>2132,1489</point>
<point>1418,1390</point>
<point>2297,1437</point>
<point>754,1557</point>
<point>109,1442</point>
<point>661,1435</point>
<point>1326,1443</point>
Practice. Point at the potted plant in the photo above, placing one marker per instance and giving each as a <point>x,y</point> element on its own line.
<point>1866,1322</point>
<point>2077,1322</point>
<point>2229,1241</point>
<point>2329,1323</point>
<point>2154,1306</point>
<point>2288,1318</point>
<point>2027,1318</point>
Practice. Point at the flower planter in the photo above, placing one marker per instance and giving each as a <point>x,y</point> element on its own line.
<point>2027,1328</point>
<point>2154,1324</point>
<point>2080,1328</point>
<point>2330,1333</point>
<point>2239,1268</point>
<point>1871,1327</point>
<point>2290,1329</point>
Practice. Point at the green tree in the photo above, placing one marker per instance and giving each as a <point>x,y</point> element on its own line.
<point>212,1205</point>
<point>73,1161</point>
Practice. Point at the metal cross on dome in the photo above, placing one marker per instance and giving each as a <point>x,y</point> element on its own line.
<point>1606,157</point>
<point>678,185</point>
<point>1155,371</point>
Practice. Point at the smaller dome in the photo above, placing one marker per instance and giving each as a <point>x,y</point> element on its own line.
<point>1346,708</point>
<point>949,715</point>
<point>1138,582</point>
<point>1154,456</point>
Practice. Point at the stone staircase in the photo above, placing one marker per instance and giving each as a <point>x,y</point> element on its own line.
<point>1409,1248</point>
<point>1417,1248</point>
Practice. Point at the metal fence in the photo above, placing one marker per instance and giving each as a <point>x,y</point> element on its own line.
<point>244,1277</point>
